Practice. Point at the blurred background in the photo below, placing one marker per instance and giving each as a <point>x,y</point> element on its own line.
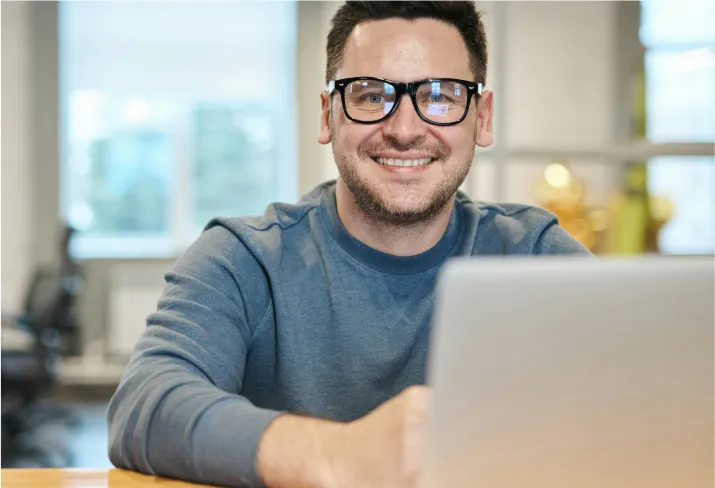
<point>126,126</point>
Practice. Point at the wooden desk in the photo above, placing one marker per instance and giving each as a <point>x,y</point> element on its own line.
<point>84,478</point>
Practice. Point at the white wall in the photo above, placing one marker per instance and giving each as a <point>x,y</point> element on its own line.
<point>17,154</point>
<point>559,88</point>
<point>316,160</point>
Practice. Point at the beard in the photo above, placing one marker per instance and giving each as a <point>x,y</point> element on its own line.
<point>379,209</point>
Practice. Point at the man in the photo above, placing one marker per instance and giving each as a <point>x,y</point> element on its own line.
<point>288,349</point>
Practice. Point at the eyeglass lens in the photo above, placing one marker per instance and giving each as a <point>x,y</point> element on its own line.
<point>438,101</point>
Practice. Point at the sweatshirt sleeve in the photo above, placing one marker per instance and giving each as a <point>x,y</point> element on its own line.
<point>178,411</point>
<point>555,240</point>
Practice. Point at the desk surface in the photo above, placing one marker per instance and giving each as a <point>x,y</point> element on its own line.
<point>84,478</point>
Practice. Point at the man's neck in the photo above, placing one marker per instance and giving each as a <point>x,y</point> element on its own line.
<point>397,240</point>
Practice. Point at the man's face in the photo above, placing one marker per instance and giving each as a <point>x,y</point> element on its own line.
<point>405,51</point>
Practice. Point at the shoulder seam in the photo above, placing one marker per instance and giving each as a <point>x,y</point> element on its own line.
<point>496,208</point>
<point>544,226</point>
<point>280,224</point>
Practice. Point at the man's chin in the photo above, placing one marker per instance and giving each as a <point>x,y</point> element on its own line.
<point>401,208</point>
<point>397,212</point>
<point>398,203</point>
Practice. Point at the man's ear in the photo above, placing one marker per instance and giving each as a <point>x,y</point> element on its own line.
<point>324,136</point>
<point>483,135</point>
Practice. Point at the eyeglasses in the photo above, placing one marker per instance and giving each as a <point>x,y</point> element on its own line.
<point>439,101</point>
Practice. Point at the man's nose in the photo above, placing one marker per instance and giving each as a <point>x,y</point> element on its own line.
<point>405,125</point>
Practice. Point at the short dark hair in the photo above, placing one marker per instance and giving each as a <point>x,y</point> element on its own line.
<point>462,15</point>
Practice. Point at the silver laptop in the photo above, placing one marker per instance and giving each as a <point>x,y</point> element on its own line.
<point>572,373</point>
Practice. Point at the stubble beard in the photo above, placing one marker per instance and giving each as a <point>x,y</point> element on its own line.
<point>377,209</point>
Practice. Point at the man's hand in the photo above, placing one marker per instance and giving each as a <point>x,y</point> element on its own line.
<point>383,448</point>
<point>380,450</point>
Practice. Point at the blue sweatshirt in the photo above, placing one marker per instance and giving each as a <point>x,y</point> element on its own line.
<point>288,312</point>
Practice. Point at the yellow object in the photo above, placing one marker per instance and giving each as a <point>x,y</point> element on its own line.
<point>563,194</point>
<point>630,215</point>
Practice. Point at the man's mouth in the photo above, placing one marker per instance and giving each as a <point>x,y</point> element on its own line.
<point>403,163</point>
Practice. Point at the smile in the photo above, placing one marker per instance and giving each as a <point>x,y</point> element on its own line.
<point>403,162</point>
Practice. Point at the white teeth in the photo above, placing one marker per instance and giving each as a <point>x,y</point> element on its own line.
<point>404,162</point>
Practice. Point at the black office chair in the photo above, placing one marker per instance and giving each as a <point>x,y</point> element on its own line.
<point>50,304</point>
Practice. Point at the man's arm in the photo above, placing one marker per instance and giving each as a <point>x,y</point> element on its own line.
<point>176,412</point>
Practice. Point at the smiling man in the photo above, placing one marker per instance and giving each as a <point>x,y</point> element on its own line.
<point>289,350</point>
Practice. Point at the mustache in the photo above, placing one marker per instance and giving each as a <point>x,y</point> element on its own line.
<point>438,150</point>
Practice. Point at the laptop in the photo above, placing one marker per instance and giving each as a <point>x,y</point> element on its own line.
<point>572,372</point>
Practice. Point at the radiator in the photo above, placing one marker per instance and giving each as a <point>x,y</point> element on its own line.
<point>133,294</point>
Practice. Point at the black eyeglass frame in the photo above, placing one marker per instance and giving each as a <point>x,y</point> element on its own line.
<point>404,89</point>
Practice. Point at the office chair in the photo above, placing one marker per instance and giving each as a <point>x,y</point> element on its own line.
<point>50,304</point>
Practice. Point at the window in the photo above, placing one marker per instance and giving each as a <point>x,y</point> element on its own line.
<point>172,116</point>
<point>680,75</point>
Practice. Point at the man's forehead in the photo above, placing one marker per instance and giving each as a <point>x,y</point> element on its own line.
<point>405,50</point>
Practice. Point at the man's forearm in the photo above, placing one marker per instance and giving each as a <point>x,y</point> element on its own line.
<point>299,452</point>
<point>219,448</point>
